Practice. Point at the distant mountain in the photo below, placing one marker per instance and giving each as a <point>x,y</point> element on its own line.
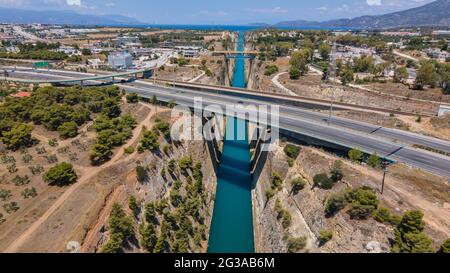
<point>21,16</point>
<point>436,13</point>
<point>259,25</point>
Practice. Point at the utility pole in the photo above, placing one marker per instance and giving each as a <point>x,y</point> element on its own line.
<point>333,77</point>
<point>384,178</point>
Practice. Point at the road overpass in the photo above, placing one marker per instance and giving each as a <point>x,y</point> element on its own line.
<point>299,119</point>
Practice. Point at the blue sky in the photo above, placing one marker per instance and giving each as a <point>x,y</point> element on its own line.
<point>222,11</point>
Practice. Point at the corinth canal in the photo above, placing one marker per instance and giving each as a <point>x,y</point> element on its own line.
<point>232,222</point>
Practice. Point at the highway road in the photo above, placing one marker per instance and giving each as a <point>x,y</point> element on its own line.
<point>390,143</point>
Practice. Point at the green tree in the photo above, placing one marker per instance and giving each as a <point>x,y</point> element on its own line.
<point>134,206</point>
<point>86,52</point>
<point>148,237</point>
<point>426,75</point>
<point>400,74</point>
<point>347,75</point>
<point>300,59</point>
<point>297,184</point>
<point>323,181</point>
<point>19,136</point>
<point>374,161</point>
<point>119,222</point>
<point>324,51</point>
<point>114,244</point>
<point>62,174</point>
<point>150,141</point>
<point>68,129</point>
<point>356,155</point>
<point>100,154</point>
<point>409,237</point>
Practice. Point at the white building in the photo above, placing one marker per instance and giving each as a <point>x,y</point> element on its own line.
<point>441,32</point>
<point>438,54</point>
<point>189,51</point>
<point>120,60</point>
<point>69,50</point>
<point>124,40</point>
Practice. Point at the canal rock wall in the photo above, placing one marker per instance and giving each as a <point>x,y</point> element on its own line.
<point>270,236</point>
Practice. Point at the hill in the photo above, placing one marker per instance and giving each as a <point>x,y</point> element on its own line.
<point>21,16</point>
<point>436,13</point>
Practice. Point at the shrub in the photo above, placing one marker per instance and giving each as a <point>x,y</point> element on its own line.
<point>445,248</point>
<point>5,194</point>
<point>296,244</point>
<point>132,98</point>
<point>185,163</point>
<point>29,192</point>
<point>11,207</point>
<point>356,155</point>
<point>164,128</point>
<point>286,219</point>
<point>20,181</point>
<point>360,212</point>
<point>61,175</point>
<point>297,184</point>
<point>141,174</point>
<point>325,236</point>
<point>270,194</point>
<point>294,73</point>
<point>129,150</point>
<point>270,70</point>
<point>277,181</point>
<point>335,203</point>
<point>292,151</point>
<point>336,172</point>
<point>383,215</point>
<point>323,181</point>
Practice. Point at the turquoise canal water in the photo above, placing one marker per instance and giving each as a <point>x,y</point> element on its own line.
<point>232,222</point>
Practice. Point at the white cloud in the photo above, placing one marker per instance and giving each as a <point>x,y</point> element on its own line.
<point>73,2</point>
<point>272,10</point>
<point>373,2</point>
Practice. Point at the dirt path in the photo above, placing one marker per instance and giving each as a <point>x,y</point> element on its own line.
<point>88,173</point>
